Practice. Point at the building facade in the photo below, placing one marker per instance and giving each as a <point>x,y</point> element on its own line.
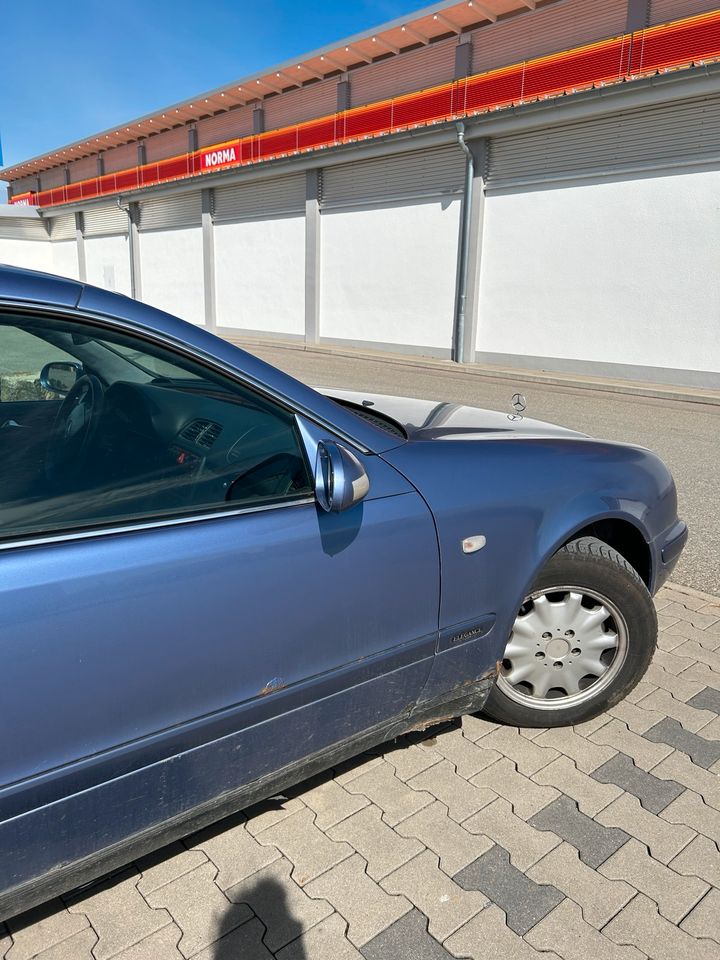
<point>565,219</point>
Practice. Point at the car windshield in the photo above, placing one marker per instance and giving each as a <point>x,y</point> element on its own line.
<point>151,365</point>
<point>112,356</point>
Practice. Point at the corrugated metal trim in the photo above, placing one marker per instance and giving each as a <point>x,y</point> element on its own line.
<point>23,185</point>
<point>182,210</point>
<point>662,11</point>
<point>169,143</point>
<point>404,73</point>
<point>261,198</point>
<point>559,26</point>
<point>120,158</point>
<point>426,173</point>
<point>303,103</point>
<point>83,169</point>
<point>667,134</point>
<point>104,220</point>
<point>62,227</point>
<point>52,178</point>
<point>225,126</point>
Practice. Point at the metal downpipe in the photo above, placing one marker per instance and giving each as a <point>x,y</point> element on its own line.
<point>464,249</point>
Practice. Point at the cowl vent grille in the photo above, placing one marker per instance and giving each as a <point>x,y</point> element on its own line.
<point>203,433</point>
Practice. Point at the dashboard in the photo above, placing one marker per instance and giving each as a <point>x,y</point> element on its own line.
<point>186,445</point>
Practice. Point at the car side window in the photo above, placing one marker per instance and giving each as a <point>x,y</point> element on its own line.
<point>22,359</point>
<point>138,432</point>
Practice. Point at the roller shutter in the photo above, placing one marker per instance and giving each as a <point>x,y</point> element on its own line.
<point>425,173</point>
<point>549,29</point>
<point>665,135</point>
<point>24,228</point>
<point>104,220</point>
<point>182,210</point>
<point>259,199</point>
<point>62,227</point>
<point>661,11</point>
<point>233,123</point>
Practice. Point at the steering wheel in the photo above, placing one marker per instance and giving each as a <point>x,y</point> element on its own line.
<point>74,428</point>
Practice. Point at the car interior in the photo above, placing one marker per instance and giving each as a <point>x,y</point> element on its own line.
<point>140,433</point>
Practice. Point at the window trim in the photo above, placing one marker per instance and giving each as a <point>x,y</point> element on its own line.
<point>206,360</point>
<point>106,531</point>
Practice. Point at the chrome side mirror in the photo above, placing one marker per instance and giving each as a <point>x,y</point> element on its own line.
<point>340,478</point>
<point>60,376</point>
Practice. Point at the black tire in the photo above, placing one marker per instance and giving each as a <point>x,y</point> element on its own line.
<point>590,564</point>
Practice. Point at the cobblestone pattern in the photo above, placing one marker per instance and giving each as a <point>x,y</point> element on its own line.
<point>600,840</point>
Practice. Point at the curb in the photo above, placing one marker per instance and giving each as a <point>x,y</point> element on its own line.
<point>692,592</point>
<point>491,372</point>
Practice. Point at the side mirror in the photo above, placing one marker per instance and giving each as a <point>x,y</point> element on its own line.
<point>340,478</point>
<point>60,376</point>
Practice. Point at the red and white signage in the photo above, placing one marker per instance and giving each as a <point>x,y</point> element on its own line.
<point>24,200</point>
<point>216,157</point>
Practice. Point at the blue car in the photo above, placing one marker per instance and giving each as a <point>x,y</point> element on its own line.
<point>217,581</point>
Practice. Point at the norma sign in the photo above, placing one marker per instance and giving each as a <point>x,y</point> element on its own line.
<point>215,157</point>
<point>23,200</point>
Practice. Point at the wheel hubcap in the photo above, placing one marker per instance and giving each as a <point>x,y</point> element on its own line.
<point>567,645</point>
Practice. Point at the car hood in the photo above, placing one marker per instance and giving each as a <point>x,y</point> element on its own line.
<point>433,420</point>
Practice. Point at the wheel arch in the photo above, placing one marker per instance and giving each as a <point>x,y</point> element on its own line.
<point>587,517</point>
<point>625,537</point>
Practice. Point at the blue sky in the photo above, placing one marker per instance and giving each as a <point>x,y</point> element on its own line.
<point>70,69</point>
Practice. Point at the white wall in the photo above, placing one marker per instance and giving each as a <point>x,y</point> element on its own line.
<point>107,262</point>
<point>260,274</point>
<point>65,258</point>
<point>171,268</point>
<point>624,272</point>
<point>32,254</point>
<point>388,273</point>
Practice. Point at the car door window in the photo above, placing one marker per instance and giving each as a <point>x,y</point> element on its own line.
<point>144,434</point>
<point>22,357</point>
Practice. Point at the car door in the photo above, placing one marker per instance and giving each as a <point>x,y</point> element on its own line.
<point>164,640</point>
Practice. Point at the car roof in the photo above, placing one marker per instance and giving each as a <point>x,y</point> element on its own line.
<point>30,286</point>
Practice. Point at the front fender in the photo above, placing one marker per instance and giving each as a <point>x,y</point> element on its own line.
<point>565,522</point>
<point>526,496</point>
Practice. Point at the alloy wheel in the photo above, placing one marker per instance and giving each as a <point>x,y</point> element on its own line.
<point>567,645</point>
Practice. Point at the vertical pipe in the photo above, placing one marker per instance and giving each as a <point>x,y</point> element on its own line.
<point>479,150</point>
<point>208,242</point>
<point>312,255</point>
<point>463,250</point>
<point>80,240</point>
<point>134,243</point>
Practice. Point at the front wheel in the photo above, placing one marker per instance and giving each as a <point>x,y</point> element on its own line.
<point>582,639</point>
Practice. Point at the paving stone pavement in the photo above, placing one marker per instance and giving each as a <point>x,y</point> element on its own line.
<point>471,840</point>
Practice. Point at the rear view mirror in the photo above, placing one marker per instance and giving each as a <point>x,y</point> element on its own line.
<point>60,376</point>
<point>340,478</point>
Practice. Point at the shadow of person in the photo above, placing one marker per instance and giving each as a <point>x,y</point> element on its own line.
<point>272,927</point>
